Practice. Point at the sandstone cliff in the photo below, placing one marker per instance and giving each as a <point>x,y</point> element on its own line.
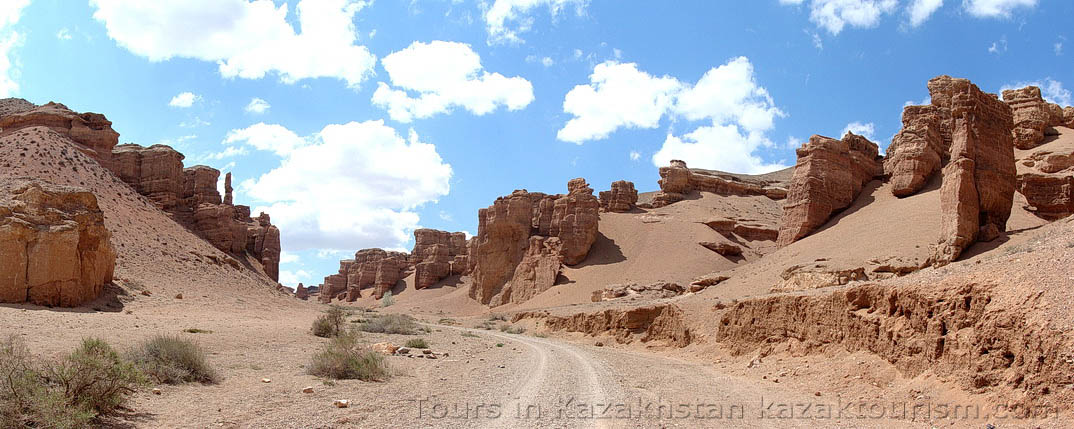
<point>621,198</point>
<point>54,247</point>
<point>92,131</point>
<point>677,181</point>
<point>828,177</point>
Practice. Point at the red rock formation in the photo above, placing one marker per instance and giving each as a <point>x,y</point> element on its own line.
<point>979,181</point>
<point>621,198</point>
<point>503,239</point>
<point>375,268</point>
<point>659,322</point>
<point>263,242</point>
<point>10,106</point>
<point>199,186</point>
<point>828,177</point>
<point>54,245</point>
<point>436,255</point>
<point>229,199</point>
<point>155,172</point>
<point>574,221</point>
<point>535,273</point>
<point>1050,196</point>
<point>92,131</point>
<point>917,150</point>
<point>677,180</point>
<point>1033,117</point>
<point>302,293</point>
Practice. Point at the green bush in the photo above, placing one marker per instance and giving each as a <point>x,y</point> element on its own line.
<point>345,359</point>
<point>417,343</point>
<point>91,382</point>
<point>174,360</point>
<point>331,323</point>
<point>390,324</point>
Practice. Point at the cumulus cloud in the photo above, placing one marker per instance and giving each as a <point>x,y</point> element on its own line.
<point>506,19</point>
<point>246,38</point>
<point>635,155</point>
<point>834,15</point>
<point>738,110</point>
<point>866,130</point>
<point>921,10</point>
<point>257,106</point>
<point>995,8</point>
<point>10,13</point>
<point>293,278</point>
<point>445,75</point>
<point>346,187</point>
<point>618,96</point>
<point>184,99</point>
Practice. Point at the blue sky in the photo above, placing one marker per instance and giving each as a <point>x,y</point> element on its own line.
<point>354,122</point>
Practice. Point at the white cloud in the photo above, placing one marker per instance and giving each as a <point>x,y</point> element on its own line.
<point>288,257</point>
<point>718,147</point>
<point>500,16</point>
<point>866,130</point>
<point>793,142</point>
<point>1051,89</point>
<point>545,61</point>
<point>834,15</point>
<point>995,8</point>
<point>293,278</point>
<point>618,95</point>
<point>1058,48</point>
<point>921,10</point>
<point>184,100</point>
<point>267,137</point>
<point>445,75</point>
<point>349,186</point>
<point>999,46</point>
<point>738,110</point>
<point>635,155</point>
<point>247,39</point>
<point>257,106</point>
<point>63,34</point>
<point>10,13</point>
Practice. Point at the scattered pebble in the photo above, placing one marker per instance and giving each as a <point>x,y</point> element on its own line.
<point>341,403</point>
<point>266,380</point>
<point>308,389</point>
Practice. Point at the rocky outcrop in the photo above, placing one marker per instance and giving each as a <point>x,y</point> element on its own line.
<point>828,177</point>
<point>92,131</point>
<point>677,180</point>
<point>1050,196</point>
<point>503,241</point>
<point>54,247</point>
<point>968,134</point>
<point>653,323</point>
<point>957,332</point>
<point>10,106</point>
<point>155,172</point>
<point>301,292</point>
<point>635,291</point>
<point>979,180</point>
<point>1033,117</point>
<point>724,249</point>
<point>736,229</point>
<point>436,255</point>
<point>371,268</point>
<point>190,195</point>
<point>621,198</point>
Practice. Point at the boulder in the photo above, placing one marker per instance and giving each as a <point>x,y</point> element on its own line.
<point>1050,196</point>
<point>91,131</point>
<point>828,177</point>
<point>724,249</point>
<point>621,198</point>
<point>54,247</point>
<point>916,151</point>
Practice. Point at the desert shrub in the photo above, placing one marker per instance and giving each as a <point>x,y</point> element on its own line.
<point>387,300</point>
<point>174,360</point>
<point>91,382</point>
<point>345,359</point>
<point>390,324</point>
<point>331,323</point>
<point>497,317</point>
<point>197,331</point>
<point>417,343</point>
<point>512,329</point>
<point>486,325</point>
<point>469,334</point>
<point>448,322</point>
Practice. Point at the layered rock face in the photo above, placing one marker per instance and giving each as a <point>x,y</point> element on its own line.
<point>92,131</point>
<point>828,177</point>
<point>191,197</point>
<point>54,247</point>
<point>509,266</point>
<point>677,180</point>
<point>621,198</point>
<point>436,255</point>
<point>1046,179</point>
<point>967,133</point>
<point>371,268</point>
<point>1033,117</point>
